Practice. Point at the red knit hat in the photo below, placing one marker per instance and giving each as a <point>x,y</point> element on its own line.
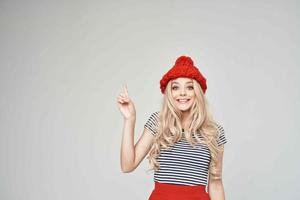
<point>184,67</point>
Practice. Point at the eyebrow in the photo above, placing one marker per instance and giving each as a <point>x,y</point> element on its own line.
<point>186,82</point>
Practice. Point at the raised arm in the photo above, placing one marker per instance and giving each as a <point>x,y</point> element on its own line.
<point>131,154</point>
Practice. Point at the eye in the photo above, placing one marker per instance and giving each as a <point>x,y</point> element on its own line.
<point>191,87</point>
<point>174,87</point>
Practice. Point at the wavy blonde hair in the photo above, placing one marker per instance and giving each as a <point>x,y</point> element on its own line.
<point>200,120</point>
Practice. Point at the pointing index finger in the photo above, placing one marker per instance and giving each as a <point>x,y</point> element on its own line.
<point>126,90</point>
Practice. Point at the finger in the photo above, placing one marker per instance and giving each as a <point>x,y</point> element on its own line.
<point>122,90</point>
<point>123,98</point>
<point>123,94</point>
<point>126,90</point>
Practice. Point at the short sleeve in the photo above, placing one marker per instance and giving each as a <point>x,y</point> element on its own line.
<point>152,123</point>
<point>222,138</point>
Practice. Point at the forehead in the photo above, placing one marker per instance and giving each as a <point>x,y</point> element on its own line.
<point>182,80</point>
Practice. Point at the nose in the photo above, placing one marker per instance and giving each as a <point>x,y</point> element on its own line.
<point>182,92</point>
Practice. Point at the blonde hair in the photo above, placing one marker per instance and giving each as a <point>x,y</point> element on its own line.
<point>169,129</point>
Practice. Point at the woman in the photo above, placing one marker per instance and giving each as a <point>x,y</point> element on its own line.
<point>184,144</point>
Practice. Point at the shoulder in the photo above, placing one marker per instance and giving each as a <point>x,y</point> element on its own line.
<point>152,122</point>
<point>220,127</point>
<point>154,115</point>
<point>221,134</point>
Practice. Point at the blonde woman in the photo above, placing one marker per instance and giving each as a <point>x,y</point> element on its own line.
<point>184,144</point>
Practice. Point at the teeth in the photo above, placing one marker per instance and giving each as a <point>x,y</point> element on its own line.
<point>180,100</point>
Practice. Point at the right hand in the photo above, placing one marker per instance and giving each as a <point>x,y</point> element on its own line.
<point>126,105</point>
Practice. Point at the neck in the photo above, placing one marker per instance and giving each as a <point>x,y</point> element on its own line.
<point>184,119</point>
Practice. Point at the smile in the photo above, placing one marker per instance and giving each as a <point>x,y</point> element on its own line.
<point>183,101</point>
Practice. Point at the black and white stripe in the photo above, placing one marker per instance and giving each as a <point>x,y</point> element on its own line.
<point>183,164</point>
<point>152,122</point>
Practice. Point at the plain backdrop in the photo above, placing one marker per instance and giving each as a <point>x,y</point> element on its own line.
<point>63,64</point>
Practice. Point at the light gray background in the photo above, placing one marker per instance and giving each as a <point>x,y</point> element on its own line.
<point>63,64</point>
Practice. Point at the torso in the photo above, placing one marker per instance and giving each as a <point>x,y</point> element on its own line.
<point>183,164</point>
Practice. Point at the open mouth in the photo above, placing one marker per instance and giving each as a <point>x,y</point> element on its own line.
<point>183,101</point>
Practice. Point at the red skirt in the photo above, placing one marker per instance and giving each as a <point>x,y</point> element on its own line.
<point>166,191</point>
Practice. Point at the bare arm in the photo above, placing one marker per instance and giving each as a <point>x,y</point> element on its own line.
<point>127,146</point>
<point>215,186</point>
<point>131,155</point>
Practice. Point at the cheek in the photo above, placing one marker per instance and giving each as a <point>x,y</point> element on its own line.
<point>192,98</point>
<point>192,94</point>
<point>175,94</point>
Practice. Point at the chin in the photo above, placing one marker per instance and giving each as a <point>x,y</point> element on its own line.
<point>184,108</point>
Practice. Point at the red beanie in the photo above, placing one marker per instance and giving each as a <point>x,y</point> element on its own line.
<point>184,67</point>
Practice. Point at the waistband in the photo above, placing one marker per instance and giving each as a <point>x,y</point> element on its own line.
<point>179,189</point>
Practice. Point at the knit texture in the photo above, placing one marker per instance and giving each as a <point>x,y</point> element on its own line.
<point>183,67</point>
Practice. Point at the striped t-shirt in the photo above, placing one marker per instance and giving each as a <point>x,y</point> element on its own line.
<point>183,164</point>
